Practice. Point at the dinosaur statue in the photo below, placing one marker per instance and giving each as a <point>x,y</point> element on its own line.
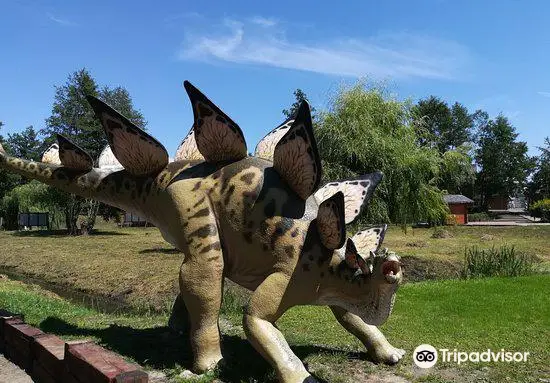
<point>262,223</point>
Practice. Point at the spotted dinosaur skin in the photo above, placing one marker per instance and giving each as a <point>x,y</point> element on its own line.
<point>247,219</point>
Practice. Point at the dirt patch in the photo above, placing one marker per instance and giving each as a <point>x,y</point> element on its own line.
<point>440,233</point>
<point>488,237</point>
<point>418,269</point>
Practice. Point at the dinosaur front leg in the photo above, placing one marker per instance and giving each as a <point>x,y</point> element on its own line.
<point>266,305</point>
<point>376,343</point>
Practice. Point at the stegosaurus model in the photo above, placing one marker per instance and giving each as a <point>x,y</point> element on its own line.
<point>260,221</point>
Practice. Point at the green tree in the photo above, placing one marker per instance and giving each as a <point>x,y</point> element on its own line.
<point>32,197</point>
<point>299,97</point>
<point>7,180</point>
<point>461,128</point>
<point>26,144</point>
<point>365,130</point>
<point>120,99</point>
<point>457,174</point>
<point>73,117</point>
<point>439,126</point>
<point>432,120</point>
<point>539,187</point>
<point>503,161</point>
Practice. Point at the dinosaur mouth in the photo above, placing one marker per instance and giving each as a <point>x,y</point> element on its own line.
<point>391,271</point>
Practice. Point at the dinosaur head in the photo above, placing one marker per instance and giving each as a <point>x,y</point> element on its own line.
<point>375,280</point>
<point>362,278</point>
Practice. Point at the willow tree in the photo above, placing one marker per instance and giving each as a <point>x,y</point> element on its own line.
<point>366,130</point>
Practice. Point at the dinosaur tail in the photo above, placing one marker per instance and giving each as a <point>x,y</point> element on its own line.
<point>84,184</point>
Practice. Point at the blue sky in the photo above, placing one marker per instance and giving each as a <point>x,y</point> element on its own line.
<point>248,57</point>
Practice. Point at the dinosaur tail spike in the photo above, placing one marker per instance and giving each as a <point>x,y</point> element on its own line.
<point>72,156</point>
<point>139,153</point>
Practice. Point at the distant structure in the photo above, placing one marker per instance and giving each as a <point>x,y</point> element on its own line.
<point>458,204</point>
<point>27,221</point>
<point>132,219</point>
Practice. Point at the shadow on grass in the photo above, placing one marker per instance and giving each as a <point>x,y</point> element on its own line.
<point>160,348</point>
<point>62,233</point>
<point>160,250</point>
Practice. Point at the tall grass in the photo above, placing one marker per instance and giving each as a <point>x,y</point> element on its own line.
<point>503,261</point>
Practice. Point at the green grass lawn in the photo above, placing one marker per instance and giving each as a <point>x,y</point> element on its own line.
<point>472,315</point>
<point>136,266</point>
<point>534,240</point>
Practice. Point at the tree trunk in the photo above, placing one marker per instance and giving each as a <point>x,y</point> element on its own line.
<point>72,210</point>
<point>89,222</point>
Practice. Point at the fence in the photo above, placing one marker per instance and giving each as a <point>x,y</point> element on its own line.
<point>28,220</point>
<point>131,219</point>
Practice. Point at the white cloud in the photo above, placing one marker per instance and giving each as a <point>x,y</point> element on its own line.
<point>396,55</point>
<point>63,22</point>
<point>544,94</point>
<point>263,21</point>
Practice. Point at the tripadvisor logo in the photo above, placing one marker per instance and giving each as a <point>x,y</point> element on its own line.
<point>426,356</point>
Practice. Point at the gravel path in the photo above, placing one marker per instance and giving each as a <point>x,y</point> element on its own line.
<point>10,373</point>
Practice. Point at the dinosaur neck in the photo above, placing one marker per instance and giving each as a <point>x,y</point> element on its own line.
<point>339,284</point>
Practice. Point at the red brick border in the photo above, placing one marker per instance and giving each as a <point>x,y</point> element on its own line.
<point>48,359</point>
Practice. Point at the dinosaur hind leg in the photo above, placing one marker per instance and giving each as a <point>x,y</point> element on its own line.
<point>201,286</point>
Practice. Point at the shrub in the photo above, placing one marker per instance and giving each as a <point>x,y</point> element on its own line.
<point>9,208</point>
<point>504,261</point>
<point>541,209</point>
<point>451,220</point>
<point>479,217</point>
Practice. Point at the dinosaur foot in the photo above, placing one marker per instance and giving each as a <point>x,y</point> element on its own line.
<point>387,354</point>
<point>206,364</point>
